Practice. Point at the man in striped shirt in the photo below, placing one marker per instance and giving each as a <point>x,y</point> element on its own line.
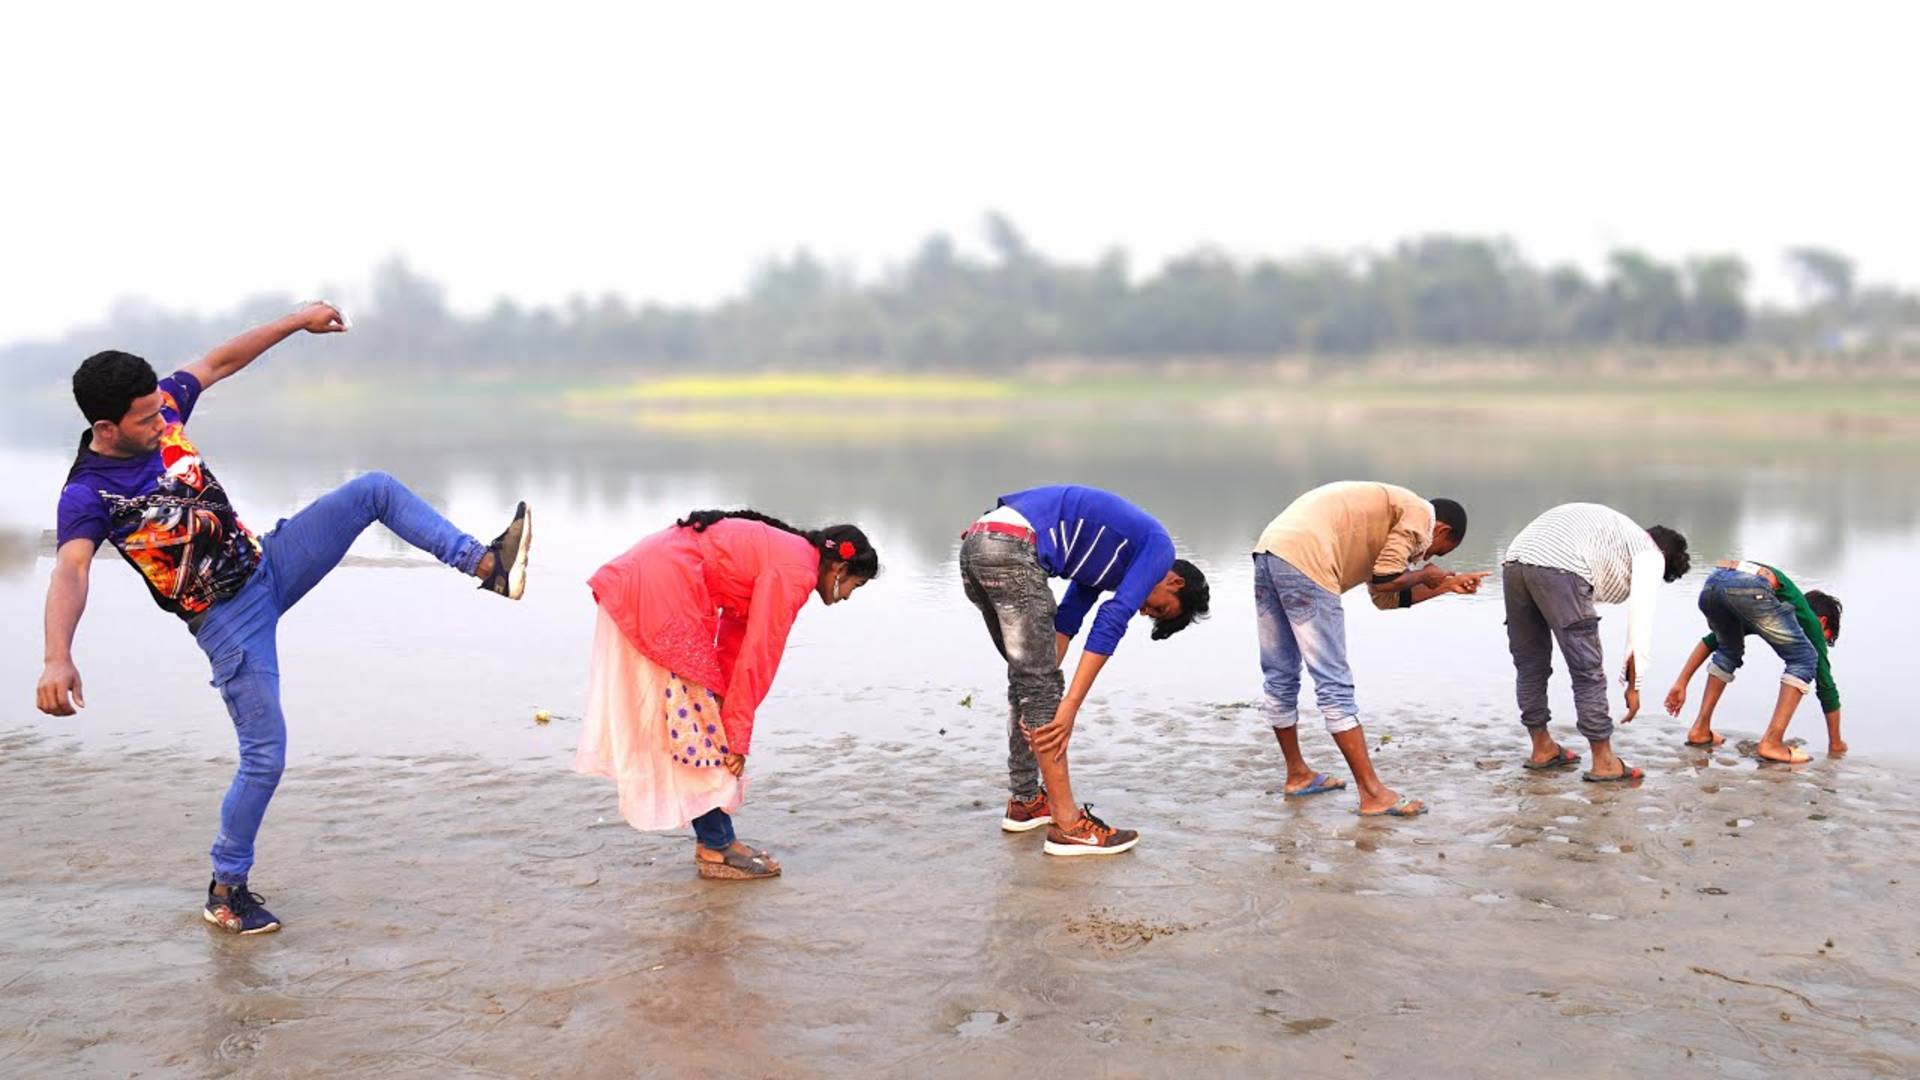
<point>1330,540</point>
<point>1099,542</point>
<point>1555,569</point>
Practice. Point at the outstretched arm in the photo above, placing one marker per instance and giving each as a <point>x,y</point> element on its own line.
<point>779,592</point>
<point>59,692</point>
<point>1431,576</point>
<point>1050,739</point>
<point>1422,591</point>
<point>1643,587</point>
<point>1677,696</point>
<point>1464,584</point>
<point>230,357</point>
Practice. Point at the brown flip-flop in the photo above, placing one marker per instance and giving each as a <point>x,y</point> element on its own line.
<point>734,866</point>
<point>1562,760</point>
<point>1627,772</point>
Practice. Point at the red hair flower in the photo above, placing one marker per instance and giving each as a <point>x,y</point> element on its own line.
<point>846,549</point>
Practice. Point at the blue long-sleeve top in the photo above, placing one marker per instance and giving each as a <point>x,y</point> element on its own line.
<point>1098,541</point>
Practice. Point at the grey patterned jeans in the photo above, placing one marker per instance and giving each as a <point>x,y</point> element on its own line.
<point>1004,579</point>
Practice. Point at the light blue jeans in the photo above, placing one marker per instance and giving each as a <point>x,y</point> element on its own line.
<point>1301,622</point>
<point>239,634</point>
<point>1738,604</point>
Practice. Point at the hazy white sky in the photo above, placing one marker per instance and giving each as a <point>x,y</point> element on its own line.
<point>195,153</point>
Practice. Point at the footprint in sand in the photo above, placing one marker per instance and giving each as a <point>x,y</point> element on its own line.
<point>1304,1026</point>
<point>239,1046</point>
<point>1105,932</point>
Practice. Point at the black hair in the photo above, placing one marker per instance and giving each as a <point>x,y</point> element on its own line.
<point>1453,516</point>
<point>1194,596</point>
<point>863,563</point>
<point>1827,606</point>
<point>106,384</point>
<point>1674,547</point>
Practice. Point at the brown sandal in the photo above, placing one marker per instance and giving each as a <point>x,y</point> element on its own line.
<point>734,866</point>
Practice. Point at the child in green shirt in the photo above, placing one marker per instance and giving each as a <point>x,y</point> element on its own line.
<point>1742,598</point>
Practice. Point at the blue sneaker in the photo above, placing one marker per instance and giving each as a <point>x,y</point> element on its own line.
<point>238,912</point>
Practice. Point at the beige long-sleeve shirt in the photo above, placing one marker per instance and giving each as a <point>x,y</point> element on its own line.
<point>1348,532</point>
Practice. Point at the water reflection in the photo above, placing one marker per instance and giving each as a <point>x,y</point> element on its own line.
<point>1214,483</point>
<point>1840,513</point>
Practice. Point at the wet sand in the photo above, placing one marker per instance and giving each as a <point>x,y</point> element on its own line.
<point>453,915</point>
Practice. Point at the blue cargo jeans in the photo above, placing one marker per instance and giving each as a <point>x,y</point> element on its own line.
<point>1300,622</point>
<point>1738,604</point>
<point>239,634</point>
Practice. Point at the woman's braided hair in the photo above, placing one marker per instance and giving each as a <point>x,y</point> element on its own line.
<point>842,543</point>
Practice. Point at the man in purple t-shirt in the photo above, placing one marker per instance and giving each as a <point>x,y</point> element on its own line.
<point>139,483</point>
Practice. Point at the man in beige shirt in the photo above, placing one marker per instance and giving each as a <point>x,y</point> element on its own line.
<point>1330,540</point>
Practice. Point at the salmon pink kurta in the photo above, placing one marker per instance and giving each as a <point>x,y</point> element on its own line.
<point>713,607</point>
<point>685,617</point>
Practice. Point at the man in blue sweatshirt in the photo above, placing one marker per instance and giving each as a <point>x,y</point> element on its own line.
<point>1100,543</point>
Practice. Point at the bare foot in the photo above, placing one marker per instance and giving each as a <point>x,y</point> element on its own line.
<point>1835,748</point>
<point>1697,737</point>
<point>1298,780</point>
<point>1386,798</point>
<point>1552,752</point>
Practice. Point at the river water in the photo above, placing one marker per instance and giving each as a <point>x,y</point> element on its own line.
<point>456,899</point>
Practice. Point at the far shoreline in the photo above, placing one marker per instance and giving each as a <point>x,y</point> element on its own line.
<point>1876,400</point>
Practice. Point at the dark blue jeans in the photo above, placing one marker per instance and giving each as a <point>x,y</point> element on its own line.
<point>239,634</point>
<point>1738,604</point>
<point>714,830</point>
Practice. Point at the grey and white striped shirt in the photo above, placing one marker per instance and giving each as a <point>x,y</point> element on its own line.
<point>1612,552</point>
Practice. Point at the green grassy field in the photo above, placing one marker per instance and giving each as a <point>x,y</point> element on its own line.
<point>1877,404</point>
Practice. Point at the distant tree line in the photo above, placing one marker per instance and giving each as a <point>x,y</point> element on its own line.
<point>1010,305</point>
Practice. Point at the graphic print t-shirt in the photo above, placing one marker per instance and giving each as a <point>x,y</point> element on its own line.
<point>165,512</point>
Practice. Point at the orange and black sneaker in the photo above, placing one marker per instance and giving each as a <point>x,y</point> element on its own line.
<point>1089,836</point>
<point>1028,815</point>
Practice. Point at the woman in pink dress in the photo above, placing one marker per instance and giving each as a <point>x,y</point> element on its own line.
<point>692,624</point>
